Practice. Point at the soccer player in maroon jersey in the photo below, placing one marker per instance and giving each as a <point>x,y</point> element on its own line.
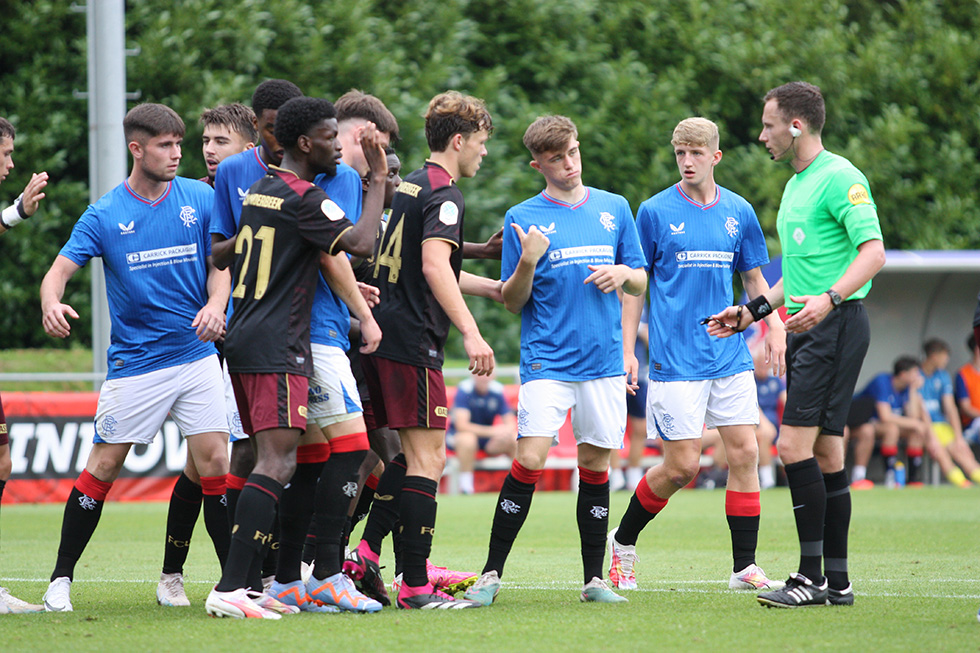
<point>23,208</point>
<point>418,271</point>
<point>286,222</point>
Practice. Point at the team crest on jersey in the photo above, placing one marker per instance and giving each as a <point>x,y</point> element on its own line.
<point>331,210</point>
<point>242,194</point>
<point>799,236</point>
<point>676,230</point>
<point>731,226</point>
<point>448,213</point>
<point>188,216</point>
<point>607,221</point>
<point>126,228</point>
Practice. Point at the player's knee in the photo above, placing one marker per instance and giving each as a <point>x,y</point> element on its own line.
<point>683,472</point>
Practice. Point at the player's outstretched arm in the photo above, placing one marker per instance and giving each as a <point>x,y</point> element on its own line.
<point>488,250</point>
<point>736,319</point>
<point>53,285</point>
<point>26,205</point>
<point>210,320</point>
<point>339,275</point>
<point>439,275</point>
<point>517,288</point>
<point>609,278</point>
<point>477,286</point>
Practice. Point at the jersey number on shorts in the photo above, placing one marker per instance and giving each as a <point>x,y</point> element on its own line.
<point>391,257</point>
<point>266,237</point>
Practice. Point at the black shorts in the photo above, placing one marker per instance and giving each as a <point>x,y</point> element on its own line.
<point>823,367</point>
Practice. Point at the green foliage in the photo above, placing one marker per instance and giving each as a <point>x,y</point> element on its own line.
<point>900,78</point>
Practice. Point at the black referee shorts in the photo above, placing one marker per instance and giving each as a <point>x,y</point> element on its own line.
<point>823,368</point>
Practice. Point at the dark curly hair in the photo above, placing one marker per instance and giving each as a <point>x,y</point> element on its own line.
<point>272,94</point>
<point>297,116</point>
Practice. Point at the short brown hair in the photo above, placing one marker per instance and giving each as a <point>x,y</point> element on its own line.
<point>549,134</point>
<point>698,132</point>
<point>453,113</point>
<point>149,120</point>
<point>235,116</point>
<point>800,100</point>
<point>7,129</point>
<point>356,104</point>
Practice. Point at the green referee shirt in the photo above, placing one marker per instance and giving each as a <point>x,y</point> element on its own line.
<point>825,213</point>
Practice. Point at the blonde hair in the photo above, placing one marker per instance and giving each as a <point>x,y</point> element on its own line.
<point>549,134</point>
<point>699,132</point>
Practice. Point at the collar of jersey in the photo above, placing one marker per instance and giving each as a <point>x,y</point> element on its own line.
<point>143,199</point>
<point>695,202</point>
<point>439,165</point>
<point>284,170</point>
<point>258,157</point>
<point>566,204</point>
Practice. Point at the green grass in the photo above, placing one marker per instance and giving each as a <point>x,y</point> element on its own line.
<point>914,562</point>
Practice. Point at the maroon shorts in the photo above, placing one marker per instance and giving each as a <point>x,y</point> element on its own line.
<point>271,401</point>
<point>404,396</point>
<point>4,438</point>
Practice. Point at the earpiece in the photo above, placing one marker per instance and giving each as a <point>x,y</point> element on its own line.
<point>794,131</point>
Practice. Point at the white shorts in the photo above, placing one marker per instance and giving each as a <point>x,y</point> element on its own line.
<point>598,410</point>
<point>231,407</point>
<point>333,390</point>
<point>679,410</point>
<point>132,409</point>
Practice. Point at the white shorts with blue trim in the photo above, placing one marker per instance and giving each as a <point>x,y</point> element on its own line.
<point>132,409</point>
<point>598,410</point>
<point>679,410</point>
<point>333,390</point>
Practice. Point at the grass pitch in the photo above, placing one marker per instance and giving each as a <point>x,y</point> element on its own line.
<point>913,556</point>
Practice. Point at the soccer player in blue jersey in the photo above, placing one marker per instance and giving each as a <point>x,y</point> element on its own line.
<point>22,208</point>
<point>566,252</point>
<point>696,235</point>
<point>232,180</point>
<point>228,130</point>
<point>166,304</point>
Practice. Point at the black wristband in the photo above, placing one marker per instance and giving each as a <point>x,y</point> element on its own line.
<point>759,307</point>
<point>20,209</point>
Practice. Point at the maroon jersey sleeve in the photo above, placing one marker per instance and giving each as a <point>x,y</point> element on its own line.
<point>442,215</point>
<point>320,221</point>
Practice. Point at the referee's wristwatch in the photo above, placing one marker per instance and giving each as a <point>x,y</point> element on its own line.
<point>835,298</point>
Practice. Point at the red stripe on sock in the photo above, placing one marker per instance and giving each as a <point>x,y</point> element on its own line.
<point>913,453</point>
<point>423,493</point>
<point>235,482</point>
<point>741,504</point>
<point>349,443</point>
<point>262,489</point>
<point>650,501</point>
<point>525,475</point>
<point>213,486</point>
<point>312,453</point>
<point>889,451</point>
<point>371,482</point>
<point>594,478</point>
<point>91,486</point>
